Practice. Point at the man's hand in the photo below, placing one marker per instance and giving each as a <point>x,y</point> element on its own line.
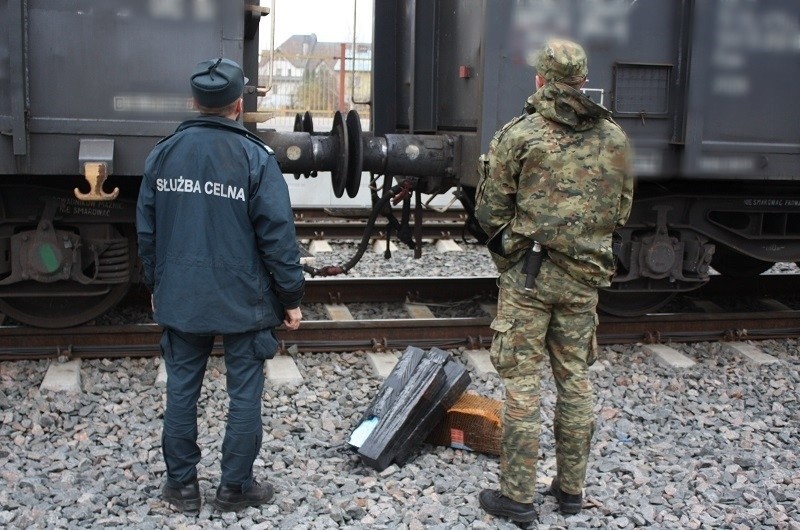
<point>293,318</point>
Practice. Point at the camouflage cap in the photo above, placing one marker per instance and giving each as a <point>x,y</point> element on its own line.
<point>562,60</point>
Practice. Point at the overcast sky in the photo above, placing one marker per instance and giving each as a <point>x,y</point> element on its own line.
<point>331,20</point>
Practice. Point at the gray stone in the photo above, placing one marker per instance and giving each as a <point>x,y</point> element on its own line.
<point>669,357</point>
<point>749,352</point>
<point>282,370</point>
<point>667,442</point>
<point>63,377</point>
<point>382,363</point>
<point>480,362</point>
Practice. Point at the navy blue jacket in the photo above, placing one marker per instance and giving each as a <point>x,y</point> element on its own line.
<point>216,231</point>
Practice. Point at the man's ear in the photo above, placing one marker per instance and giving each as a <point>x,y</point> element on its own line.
<point>239,106</point>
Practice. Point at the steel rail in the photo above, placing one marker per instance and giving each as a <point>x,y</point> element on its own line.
<point>330,336</point>
<point>301,213</point>
<point>345,290</point>
<point>378,335</point>
<point>348,290</point>
<point>355,230</point>
<point>349,223</point>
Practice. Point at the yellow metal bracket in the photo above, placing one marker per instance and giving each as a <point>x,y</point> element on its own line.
<point>95,174</point>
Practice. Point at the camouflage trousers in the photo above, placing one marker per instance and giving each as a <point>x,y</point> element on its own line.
<point>556,320</point>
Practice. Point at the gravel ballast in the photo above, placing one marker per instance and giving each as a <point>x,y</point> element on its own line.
<point>473,261</point>
<point>712,446</point>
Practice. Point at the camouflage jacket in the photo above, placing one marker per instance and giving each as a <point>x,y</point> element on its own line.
<point>560,175</point>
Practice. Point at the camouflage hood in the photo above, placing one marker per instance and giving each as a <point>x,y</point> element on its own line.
<point>563,104</point>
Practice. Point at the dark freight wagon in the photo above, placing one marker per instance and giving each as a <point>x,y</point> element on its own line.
<point>87,88</point>
<point>704,88</point>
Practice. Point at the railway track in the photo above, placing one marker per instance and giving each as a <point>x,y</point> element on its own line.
<point>342,334</point>
<point>349,223</point>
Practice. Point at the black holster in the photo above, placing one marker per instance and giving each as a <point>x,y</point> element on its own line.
<point>534,257</point>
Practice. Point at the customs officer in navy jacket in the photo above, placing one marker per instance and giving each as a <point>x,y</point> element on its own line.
<point>218,247</point>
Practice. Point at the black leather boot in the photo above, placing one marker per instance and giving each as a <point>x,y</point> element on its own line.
<point>568,503</point>
<point>497,504</point>
<point>232,499</point>
<point>186,499</point>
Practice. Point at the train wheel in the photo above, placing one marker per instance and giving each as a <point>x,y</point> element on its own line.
<point>54,311</point>
<point>735,265</point>
<point>67,303</point>
<point>622,304</point>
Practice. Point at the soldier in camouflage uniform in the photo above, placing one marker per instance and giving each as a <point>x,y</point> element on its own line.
<point>558,175</point>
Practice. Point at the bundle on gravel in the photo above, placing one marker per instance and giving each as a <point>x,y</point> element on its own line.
<point>713,446</point>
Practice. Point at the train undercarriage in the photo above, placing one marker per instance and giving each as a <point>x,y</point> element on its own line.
<point>444,76</point>
<point>64,261</point>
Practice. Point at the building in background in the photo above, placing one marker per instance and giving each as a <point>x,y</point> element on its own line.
<point>320,77</point>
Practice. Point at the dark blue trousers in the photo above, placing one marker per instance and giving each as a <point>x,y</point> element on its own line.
<point>185,357</point>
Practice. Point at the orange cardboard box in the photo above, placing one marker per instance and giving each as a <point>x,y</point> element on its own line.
<point>472,424</point>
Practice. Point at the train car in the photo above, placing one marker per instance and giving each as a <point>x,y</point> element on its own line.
<point>87,88</point>
<point>702,88</point>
